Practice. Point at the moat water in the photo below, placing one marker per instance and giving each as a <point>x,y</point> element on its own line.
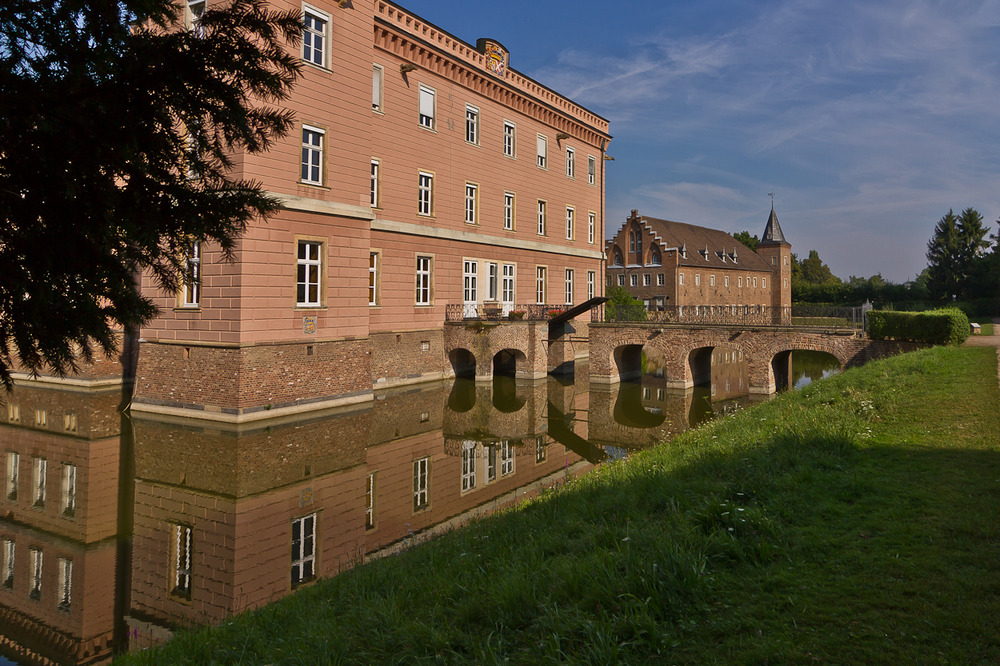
<point>114,530</point>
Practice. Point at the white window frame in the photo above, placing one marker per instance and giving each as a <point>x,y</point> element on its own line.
<point>309,273</point>
<point>303,565</point>
<point>39,481</point>
<point>36,563</point>
<point>313,140</point>
<point>492,281</point>
<point>570,222</point>
<point>180,562</point>
<point>542,158</point>
<point>570,279</point>
<point>591,227</point>
<point>509,139</point>
<point>370,488</point>
<point>509,209</point>
<point>697,279</point>
<point>541,275</point>
<point>570,162</point>
<point>591,283</point>
<point>680,279</point>
<point>374,265</point>
<point>763,283</point>
<point>315,38</point>
<point>471,124</point>
<point>591,170</point>
<point>195,10</point>
<point>725,280</point>
<point>376,183</point>
<point>507,285</point>
<point>424,272</point>
<point>711,280</point>
<point>659,279</point>
<point>68,504</point>
<point>421,484</point>
<point>65,581</point>
<point>633,280</point>
<point>646,280</point>
<point>621,279</point>
<point>468,465</point>
<point>12,475</point>
<point>471,203</point>
<point>8,553</point>
<point>425,194</point>
<point>506,458</point>
<point>428,107</point>
<point>378,88</point>
<point>542,205</point>
<point>191,287</point>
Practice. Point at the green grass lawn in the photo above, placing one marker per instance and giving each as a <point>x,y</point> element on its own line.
<point>854,521</point>
<point>987,328</point>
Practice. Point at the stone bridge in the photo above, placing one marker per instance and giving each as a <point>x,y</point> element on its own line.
<point>616,350</point>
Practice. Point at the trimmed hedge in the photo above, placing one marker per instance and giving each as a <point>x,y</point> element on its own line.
<point>947,326</point>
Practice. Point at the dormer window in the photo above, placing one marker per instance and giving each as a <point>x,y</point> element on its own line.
<point>654,257</point>
<point>684,251</point>
<point>617,259</point>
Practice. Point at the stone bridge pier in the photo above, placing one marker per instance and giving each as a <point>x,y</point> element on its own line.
<point>616,350</point>
<point>475,347</point>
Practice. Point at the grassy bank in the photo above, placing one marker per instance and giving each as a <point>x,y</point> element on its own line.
<point>855,521</point>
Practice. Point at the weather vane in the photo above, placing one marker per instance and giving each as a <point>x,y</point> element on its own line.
<point>771,194</point>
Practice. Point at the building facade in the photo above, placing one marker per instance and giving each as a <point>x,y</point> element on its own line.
<point>687,269</point>
<point>423,172</point>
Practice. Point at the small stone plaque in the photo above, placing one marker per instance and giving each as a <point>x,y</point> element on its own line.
<point>309,325</point>
<point>306,497</point>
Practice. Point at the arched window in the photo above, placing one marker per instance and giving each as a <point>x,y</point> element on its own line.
<point>654,257</point>
<point>631,241</point>
<point>617,258</point>
<point>638,246</point>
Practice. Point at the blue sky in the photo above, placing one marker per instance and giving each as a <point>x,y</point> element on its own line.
<point>867,119</point>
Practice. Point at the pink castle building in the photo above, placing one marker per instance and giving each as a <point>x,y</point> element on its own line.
<point>423,172</point>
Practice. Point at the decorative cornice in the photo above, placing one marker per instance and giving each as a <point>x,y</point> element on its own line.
<point>426,231</point>
<point>308,205</point>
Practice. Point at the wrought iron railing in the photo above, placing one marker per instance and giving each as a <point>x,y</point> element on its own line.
<point>805,316</point>
<point>501,312</point>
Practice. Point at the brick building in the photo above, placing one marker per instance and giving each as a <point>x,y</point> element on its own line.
<point>686,268</point>
<point>423,172</point>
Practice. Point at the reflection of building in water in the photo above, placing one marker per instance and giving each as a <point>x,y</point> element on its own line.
<point>730,374</point>
<point>228,518</point>
<point>58,521</point>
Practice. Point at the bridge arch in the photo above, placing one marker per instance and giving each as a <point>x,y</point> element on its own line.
<point>463,362</point>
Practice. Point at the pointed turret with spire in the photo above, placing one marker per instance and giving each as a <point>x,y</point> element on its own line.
<point>777,252</point>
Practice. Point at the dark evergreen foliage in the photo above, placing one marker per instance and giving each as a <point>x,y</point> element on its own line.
<point>117,128</point>
<point>748,239</point>
<point>956,255</point>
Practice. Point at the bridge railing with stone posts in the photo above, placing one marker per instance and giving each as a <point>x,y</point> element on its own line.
<point>501,311</point>
<point>750,316</point>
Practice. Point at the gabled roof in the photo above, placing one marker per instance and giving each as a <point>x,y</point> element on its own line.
<point>704,247</point>
<point>772,231</point>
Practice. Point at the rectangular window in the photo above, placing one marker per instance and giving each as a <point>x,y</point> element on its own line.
<point>427,107</point>
<point>492,281</point>
<point>39,481</point>
<point>370,502</point>
<point>507,286</point>
<point>680,279</point>
<point>471,202</point>
<point>508,211</point>
<point>375,177</point>
<point>423,281</point>
<point>378,76</point>
<point>540,450</point>
<point>755,282</point>
<point>633,280</point>
<point>373,269</point>
<point>570,163</point>
<point>540,284</point>
<point>196,9</point>
<point>591,170</point>
<point>35,561</point>
<point>68,503</point>
<point>312,155</point>
<point>468,465</point>
<point>425,194</point>
<point>711,280</point>
<point>420,494</point>
<point>13,412</point>
<point>491,463</point>
<point>740,282</point>
<point>645,280</point>
<point>509,139</point>
<point>506,458</point>
<point>470,287</point>
<point>308,272</point>
<point>12,475</point>
<point>591,279</point>
<point>41,418</point>
<point>659,280</point>
<point>697,279</point>
<point>621,279</point>
<point>303,549</point>
<point>543,148</point>
<point>569,286</point>
<point>570,221</point>
<point>314,36</point>
<point>65,584</point>
<point>7,551</point>
<point>763,283</point>
<point>591,227</point>
<point>191,289</point>
<point>725,281</point>
<point>541,217</point>
<point>180,563</point>
<point>471,124</point>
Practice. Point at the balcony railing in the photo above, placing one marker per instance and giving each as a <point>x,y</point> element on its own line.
<point>501,311</point>
<point>805,316</point>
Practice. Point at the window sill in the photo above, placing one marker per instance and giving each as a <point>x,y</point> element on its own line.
<point>313,185</point>
<point>303,308</point>
<point>432,130</point>
<point>187,308</point>
<point>312,65</point>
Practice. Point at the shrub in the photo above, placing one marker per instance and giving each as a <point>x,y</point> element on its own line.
<point>622,306</point>
<point>948,326</point>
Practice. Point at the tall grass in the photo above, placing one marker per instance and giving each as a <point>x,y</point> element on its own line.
<point>854,521</point>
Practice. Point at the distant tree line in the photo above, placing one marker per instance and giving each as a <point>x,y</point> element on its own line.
<point>963,267</point>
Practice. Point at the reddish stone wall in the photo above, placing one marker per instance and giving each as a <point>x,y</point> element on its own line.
<point>401,356</point>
